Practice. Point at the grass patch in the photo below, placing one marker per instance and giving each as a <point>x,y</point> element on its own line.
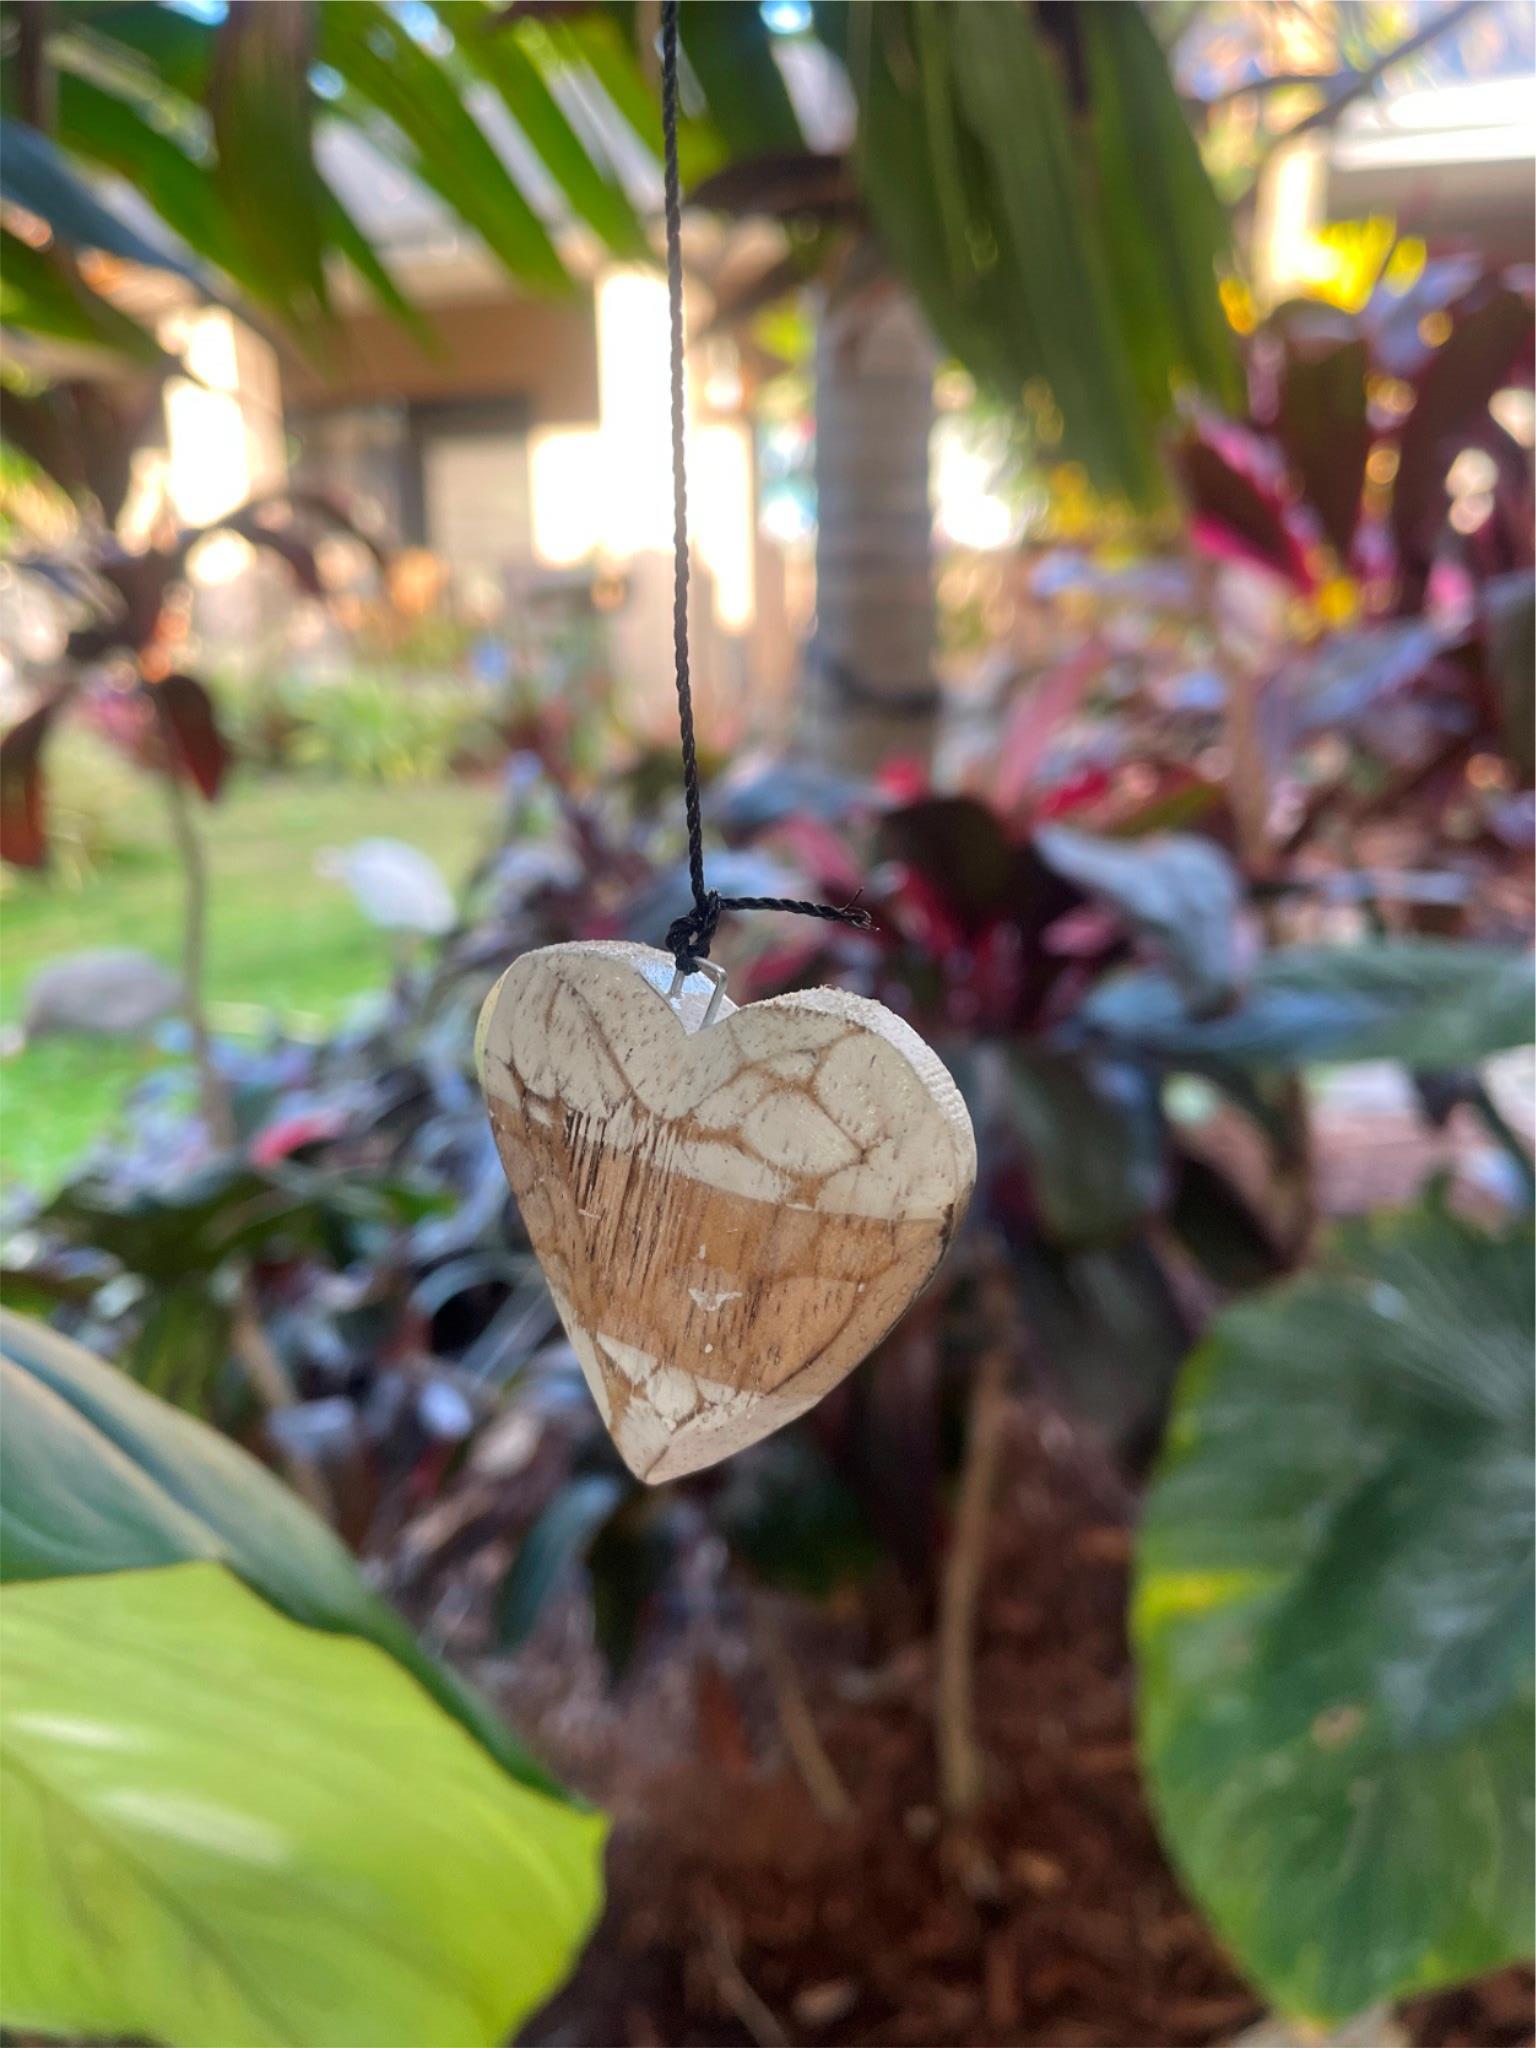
<point>279,936</point>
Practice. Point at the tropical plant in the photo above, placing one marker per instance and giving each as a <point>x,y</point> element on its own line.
<point>1333,1616</point>
<point>214,1735</point>
<point>1026,172</point>
<point>1077,963</point>
<point>370,727</point>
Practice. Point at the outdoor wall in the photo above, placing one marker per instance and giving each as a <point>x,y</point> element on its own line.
<point>542,352</point>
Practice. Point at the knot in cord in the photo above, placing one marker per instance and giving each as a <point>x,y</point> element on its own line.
<point>689,937</point>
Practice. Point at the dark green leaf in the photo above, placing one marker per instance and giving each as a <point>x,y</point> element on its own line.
<point>497,54</point>
<point>98,1476</point>
<point>1426,1002</point>
<point>176,46</point>
<point>1509,631</point>
<point>374,53</point>
<point>35,174</point>
<point>110,131</point>
<point>224,1208</point>
<point>350,241</point>
<point>1212,1219</point>
<point>37,296</point>
<point>560,1537</point>
<point>183,1345</point>
<point>1165,231</point>
<point>261,104</point>
<point>790,1518</point>
<point>1093,1142</point>
<point>626,1565</point>
<point>1107,1330</point>
<point>731,54</point>
<point>1333,1617</point>
<point>595,41</point>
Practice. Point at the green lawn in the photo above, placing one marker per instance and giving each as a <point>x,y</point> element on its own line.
<point>279,935</point>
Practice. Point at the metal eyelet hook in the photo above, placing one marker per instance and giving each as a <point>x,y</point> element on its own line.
<point>714,975</point>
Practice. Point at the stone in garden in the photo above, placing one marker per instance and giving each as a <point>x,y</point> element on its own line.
<point>109,992</point>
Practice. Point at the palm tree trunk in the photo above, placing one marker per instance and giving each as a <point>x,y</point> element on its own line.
<point>870,691</point>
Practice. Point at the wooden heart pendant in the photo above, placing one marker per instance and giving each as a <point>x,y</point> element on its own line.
<point>730,1215</point>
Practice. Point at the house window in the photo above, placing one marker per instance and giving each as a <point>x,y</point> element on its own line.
<point>451,476</point>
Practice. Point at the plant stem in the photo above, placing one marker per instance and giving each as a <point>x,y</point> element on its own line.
<point>796,1722</point>
<point>35,89</point>
<point>959,1755</point>
<point>213,1097</point>
<point>264,1370</point>
<point>268,1376</point>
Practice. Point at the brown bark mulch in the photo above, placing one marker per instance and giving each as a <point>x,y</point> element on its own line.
<point>738,1914</point>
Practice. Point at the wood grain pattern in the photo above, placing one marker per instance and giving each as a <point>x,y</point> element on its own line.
<point>729,1217</point>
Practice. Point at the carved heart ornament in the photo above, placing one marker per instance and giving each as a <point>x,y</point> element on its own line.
<point>730,1215</point>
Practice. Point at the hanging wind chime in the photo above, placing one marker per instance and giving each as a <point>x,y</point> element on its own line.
<point>731,1206</point>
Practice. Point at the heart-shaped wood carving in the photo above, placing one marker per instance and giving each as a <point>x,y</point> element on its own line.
<point>731,1215</point>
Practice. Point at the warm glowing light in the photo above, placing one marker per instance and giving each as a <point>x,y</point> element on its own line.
<point>1515,410</point>
<point>1237,304</point>
<point>1473,471</point>
<point>1487,771</point>
<point>223,433</point>
<point>607,491</point>
<point>566,489</point>
<point>1435,328</point>
<point>720,464</point>
<point>1381,465</point>
<point>635,511</point>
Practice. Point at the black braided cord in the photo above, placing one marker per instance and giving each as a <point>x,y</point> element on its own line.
<point>689,937</point>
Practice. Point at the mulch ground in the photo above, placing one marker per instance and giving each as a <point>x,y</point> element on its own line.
<point>738,1914</point>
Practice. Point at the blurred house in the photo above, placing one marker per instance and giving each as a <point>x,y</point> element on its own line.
<point>525,443</point>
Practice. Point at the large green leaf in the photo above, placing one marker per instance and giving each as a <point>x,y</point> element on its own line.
<point>730,52</point>
<point>494,49</point>
<point>593,45</point>
<point>1049,239</point>
<point>1165,231</point>
<point>109,130</point>
<point>1037,235</point>
<point>223,1830</point>
<point>1333,1616</point>
<point>371,49</point>
<point>175,47</point>
<point>38,297</point>
<point>36,174</point>
<point>98,1476</point>
<point>563,1533</point>
<point>1427,1002</point>
<point>262,109</point>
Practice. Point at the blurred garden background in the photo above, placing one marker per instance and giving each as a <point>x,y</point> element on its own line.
<point>1110,477</point>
